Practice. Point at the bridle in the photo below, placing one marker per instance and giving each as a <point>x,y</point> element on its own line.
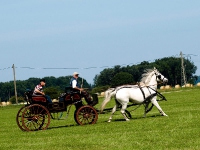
<point>158,76</point>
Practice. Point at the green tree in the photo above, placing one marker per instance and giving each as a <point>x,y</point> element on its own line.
<point>122,78</point>
<point>52,92</point>
<point>105,77</point>
<point>19,98</point>
<point>7,89</point>
<point>170,67</point>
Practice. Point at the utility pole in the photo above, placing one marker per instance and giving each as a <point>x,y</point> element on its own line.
<point>13,66</point>
<point>183,76</point>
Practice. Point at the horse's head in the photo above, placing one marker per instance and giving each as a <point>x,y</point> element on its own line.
<point>160,77</point>
<point>152,76</point>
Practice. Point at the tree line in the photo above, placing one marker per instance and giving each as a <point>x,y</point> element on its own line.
<point>170,67</point>
<point>54,86</point>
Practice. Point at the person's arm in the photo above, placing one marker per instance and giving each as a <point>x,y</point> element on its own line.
<point>38,91</point>
<point>75,87</point>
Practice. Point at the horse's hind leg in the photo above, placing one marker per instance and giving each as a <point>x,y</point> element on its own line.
<point>124,106</point>
<point>146,109</point>
<point>113,111</point>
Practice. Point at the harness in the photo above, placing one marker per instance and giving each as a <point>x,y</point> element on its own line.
<point>141,89</point>
<point>146,99</point>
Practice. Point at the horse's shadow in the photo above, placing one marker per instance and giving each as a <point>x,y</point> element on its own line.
<point>113,120</point>
<point>141,117</point>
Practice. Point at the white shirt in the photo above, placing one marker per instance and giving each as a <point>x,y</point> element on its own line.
<point>74,83</point>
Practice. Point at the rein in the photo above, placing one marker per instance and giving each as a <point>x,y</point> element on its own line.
<point>81,85</point>
<point>159,94</point>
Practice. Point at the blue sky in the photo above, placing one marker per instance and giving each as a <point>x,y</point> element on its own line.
<point>80,34</point>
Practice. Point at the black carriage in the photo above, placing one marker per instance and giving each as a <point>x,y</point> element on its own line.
<point>36,114</point>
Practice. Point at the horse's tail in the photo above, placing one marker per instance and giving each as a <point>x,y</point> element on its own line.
<point>108,95</point>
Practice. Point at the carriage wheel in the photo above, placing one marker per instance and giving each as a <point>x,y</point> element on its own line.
<point>35,117</point>
<point>86,115</point>
<point>19,118</point>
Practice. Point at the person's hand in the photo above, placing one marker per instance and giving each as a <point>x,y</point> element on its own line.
<point>81,89</point>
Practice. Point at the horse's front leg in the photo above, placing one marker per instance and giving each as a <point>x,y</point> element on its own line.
<point>154,101</point>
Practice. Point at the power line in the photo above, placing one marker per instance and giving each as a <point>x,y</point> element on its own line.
<point>93,67</point>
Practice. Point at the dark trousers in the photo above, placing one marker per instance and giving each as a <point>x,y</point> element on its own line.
<point>48,98</point>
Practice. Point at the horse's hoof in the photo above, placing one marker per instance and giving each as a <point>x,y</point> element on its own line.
<point>109,120</point>
<point>127,120</point>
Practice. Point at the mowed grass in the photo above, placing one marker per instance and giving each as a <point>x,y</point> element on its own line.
<point>180,130</point>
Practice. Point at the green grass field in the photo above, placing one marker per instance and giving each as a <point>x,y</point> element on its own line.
<point>180,130</point>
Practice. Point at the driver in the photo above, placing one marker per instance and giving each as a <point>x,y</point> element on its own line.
<point>76,87</point>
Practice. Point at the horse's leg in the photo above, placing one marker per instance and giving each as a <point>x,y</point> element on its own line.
<point>154,101</point>
<point>124,106</point>
<point>145,109</point>
<point>113,111</point>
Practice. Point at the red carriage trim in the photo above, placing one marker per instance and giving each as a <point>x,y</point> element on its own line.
<point>73,97</point>
<point>39,98</point>
<point>76,97</point>
<point>68,97</point>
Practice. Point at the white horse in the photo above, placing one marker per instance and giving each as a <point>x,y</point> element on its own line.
<point>137,94</point>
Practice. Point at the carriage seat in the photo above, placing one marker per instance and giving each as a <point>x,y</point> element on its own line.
<point>28,96</point>
<point>39,98</point>
<point>72,96</point>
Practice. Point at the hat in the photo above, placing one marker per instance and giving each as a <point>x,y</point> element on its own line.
<point>75,73</point>
<point>42,80</point>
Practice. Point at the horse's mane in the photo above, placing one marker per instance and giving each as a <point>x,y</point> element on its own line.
<point>146,76</point>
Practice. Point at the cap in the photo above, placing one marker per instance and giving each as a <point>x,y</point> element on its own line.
<point>42,80</point>
<point>75,73</point>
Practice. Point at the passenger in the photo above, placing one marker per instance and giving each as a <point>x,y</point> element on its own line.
<point>76,87</point>
<point>38,90</point>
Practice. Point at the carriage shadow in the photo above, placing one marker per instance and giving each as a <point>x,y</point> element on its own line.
<point>63,126</point>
